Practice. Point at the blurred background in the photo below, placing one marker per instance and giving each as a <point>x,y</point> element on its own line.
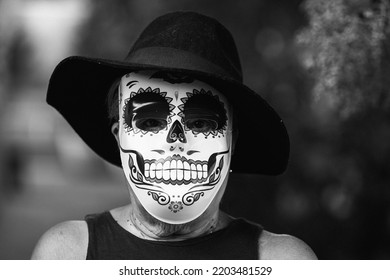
<point>322,64</point>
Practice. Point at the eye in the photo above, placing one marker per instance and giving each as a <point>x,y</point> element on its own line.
<point>153,125</point>
<point>201,125</point>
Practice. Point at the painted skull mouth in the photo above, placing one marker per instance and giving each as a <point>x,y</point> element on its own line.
<point>176,170</point>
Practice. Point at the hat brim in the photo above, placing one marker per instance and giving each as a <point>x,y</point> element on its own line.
<point>78,89</point>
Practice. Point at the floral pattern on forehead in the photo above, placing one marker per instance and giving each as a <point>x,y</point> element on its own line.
<point>172,77</point>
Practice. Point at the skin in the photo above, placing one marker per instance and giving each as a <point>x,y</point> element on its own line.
<point>69,240</point>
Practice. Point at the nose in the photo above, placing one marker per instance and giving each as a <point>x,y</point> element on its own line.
<point>176,133</point>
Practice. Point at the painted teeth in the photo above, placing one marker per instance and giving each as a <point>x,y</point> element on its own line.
<point>176,171</point>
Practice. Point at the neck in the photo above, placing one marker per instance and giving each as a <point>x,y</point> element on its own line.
<point>141,224</point>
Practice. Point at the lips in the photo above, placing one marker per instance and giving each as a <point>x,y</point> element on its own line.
<point>176,170</point>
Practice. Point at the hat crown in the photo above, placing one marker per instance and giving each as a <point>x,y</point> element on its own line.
<point>201,37</point>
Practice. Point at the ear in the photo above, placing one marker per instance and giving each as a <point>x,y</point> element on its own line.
<point>235,137</point>
<point>234,125</point>
<point>115,131</point>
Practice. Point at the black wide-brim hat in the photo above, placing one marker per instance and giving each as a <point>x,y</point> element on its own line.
<point>184,42</point>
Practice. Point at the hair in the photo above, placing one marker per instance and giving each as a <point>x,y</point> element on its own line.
<point>113,102</point>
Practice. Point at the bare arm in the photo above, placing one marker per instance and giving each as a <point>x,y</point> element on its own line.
<point>283,247</point>
<point>65,241</point>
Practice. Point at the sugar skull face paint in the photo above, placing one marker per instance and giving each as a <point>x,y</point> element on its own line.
<point>175,143</point>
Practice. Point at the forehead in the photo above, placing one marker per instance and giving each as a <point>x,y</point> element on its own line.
<point>173,85</point>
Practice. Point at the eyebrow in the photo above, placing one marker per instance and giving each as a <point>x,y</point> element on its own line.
<point>131,84</point>
<point>201,111</point>
<point>141,105</point>
<point>149,108</point>
<point>205,105</point>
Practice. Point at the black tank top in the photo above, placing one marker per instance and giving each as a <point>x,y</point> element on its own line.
<point>109,241</point>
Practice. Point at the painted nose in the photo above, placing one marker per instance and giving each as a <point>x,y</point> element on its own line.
<point>176,133</point>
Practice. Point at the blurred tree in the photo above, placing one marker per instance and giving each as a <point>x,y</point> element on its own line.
<point>114,25</point>
<point>345,49</point>
<point>348,49</point>
<point>10,40</point>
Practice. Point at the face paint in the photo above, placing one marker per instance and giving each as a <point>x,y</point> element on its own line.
<point>175,143</point>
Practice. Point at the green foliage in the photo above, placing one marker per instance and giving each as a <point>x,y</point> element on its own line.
<point>346,49</point>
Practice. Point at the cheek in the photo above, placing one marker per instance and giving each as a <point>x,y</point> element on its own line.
<point>141,141</point>
<point>208,144</point>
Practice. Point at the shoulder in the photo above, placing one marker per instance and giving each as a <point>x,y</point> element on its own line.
<point>283,247</point>
<point>67,240</point>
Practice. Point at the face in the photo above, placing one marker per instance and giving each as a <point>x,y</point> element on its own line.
<point>175,142</point>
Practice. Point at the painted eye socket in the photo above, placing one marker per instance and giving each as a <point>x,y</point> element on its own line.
<point>153,125</point>
<point>201,125</point>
